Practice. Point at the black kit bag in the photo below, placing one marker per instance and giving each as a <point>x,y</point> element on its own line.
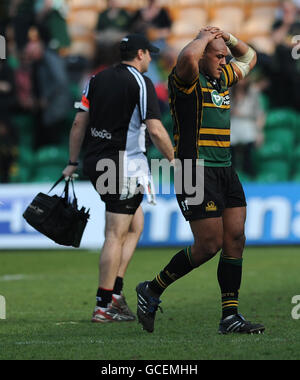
<point>57,217</point>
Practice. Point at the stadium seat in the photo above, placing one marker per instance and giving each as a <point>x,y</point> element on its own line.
<point>26,156</point>
<point>296,177</point>
<point>187,3</point>
<point>47,173</point>
<point>282,118</point>
<point>189,21</point>
<point>243,177</point>
<point>296,154</point>
<point>84,47</point>
<point>270,178</point>
<point>79,32</point>
<point>262,44</point>
<point>179,43</point>
<point>260,20</point>
<point>284,137</point>
<point>265,2</point>
<point>54,155</point>
<point>21,174</point>
<point>297,126</point>
<point>263,10</point>
<point>264,102</point>
<point>218,3</point>
<point>134,4</point>
<point>23,122</point>
<point>274,171</point>
<point>25,126</point>
<point>85,18</point>
<point>229,18</point>
<point>86,3</point>
<point>272,150</point>
<point>296,160</point>
<point>257,26</point>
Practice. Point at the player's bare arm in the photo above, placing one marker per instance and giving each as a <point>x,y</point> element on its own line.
<point>244,56</point>
<point>160,138</point>
<point>187,67</point>
<point>76,139</point>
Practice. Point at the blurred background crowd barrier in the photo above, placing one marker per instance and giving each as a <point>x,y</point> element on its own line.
<point>54,46</point>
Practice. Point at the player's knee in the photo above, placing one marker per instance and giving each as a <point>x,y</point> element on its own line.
<point>115,236</point>
<point>213,247</point>
<point>242,238</point>
<point>239,239</point>
<point>234,242</point>
<point>207,249</point>
<point>137,229</point>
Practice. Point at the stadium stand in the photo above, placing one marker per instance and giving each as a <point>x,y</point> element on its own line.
<point>252,20</point>
<point>248,19</point>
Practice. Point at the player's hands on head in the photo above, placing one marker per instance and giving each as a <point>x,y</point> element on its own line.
<point>224,35</point>
<point>209,32</point>
<point>216,32</point>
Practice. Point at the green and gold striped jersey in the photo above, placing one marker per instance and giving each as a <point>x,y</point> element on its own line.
<point>201,117</point>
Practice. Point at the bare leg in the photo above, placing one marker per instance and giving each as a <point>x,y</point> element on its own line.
<point>133,236</point>
<point>116,230</point>
<point>208,239</point>
<point>234,232</point>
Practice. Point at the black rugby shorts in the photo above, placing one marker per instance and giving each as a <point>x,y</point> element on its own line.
<point>127,196</point>
<point>222,189</point>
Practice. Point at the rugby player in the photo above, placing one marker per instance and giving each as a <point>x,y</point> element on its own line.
<point>200,106</point>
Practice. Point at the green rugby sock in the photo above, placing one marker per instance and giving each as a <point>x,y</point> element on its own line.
<point>229,278</point>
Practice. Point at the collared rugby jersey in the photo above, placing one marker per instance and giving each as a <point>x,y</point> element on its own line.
<point>119,100</point>
<point>201,117</point>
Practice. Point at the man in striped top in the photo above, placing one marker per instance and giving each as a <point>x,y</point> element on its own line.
<point>117,106</point>
<point>200,107</point>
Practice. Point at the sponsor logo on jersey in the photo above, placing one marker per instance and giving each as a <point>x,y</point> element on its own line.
<point>217,98</point>
<point>101,134</point>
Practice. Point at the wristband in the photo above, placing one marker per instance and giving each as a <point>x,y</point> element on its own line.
<point>232,42</point>
<point>73,163</point>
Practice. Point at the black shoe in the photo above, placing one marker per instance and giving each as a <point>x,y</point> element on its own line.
<point>146,307</point>
<point>238,324</point>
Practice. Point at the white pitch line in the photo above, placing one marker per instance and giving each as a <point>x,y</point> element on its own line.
<point>13,277</point>
<point>66,323</point>
<point>55,343</point>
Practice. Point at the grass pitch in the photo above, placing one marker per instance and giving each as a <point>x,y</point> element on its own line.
<point>50,296</point>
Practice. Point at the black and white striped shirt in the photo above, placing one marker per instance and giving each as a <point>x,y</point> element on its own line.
<point>119,101</point>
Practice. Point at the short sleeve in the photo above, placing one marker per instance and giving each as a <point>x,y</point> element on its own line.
<point>85,98</point>
<point>186,88</point>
